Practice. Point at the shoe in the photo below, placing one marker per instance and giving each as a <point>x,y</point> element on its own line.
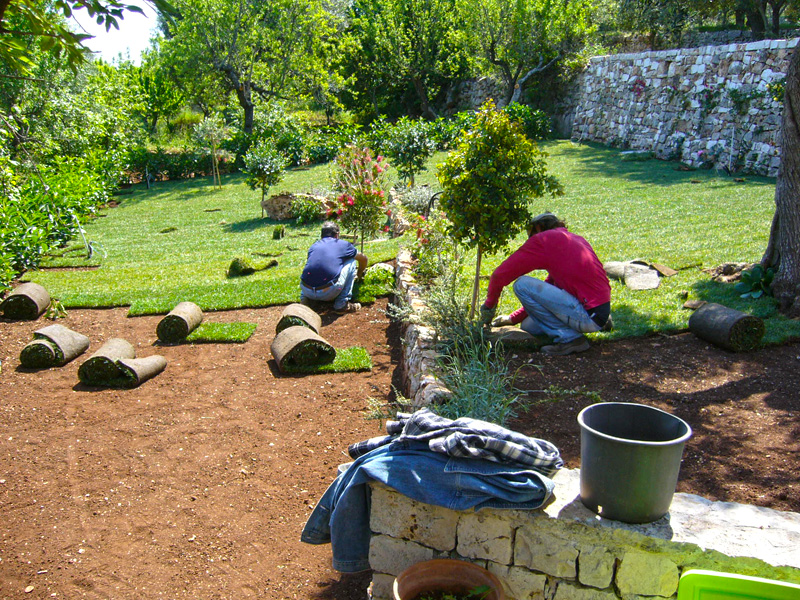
<point>580,344</point>
<point>350,307</point>
<point>609,325</point>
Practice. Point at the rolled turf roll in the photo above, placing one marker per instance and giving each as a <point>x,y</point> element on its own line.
<point>180,322</point>
<point>53,346</point>
<point>135,371</point>
<point>26,302</point>
<point>726,327</point>
<point>298,345</point>
<point>299,314</point>
<point>102,365</point>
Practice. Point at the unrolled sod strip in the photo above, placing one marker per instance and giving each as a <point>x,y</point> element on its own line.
<point>53,346</point>
<point>297,345</point>
<point>135,371</point>
<point>299,314</point>
<point>726,327</point>
<point>180,322</point>
<point>26,302</point>
<point>102,365</point>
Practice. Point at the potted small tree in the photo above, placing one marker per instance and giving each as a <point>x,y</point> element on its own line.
<point>488,182</point>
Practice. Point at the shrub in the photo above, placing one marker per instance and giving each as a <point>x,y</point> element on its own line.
<point>361,181</point>
<point>282,130</point>
<point>306,209</point>
<point>265,166</point>
<point>535,123</point>
<point>409,144</point>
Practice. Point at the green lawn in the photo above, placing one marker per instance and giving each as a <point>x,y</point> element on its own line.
<point>688,220</point>
<point>203,230</point>
<point>651,210</point>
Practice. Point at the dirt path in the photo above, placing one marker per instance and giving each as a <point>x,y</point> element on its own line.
<point>195,485</point>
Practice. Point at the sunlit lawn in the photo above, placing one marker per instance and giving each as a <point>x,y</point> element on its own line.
<point>650,210</point>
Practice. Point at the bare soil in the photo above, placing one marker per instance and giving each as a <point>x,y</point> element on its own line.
<point>198,483</point>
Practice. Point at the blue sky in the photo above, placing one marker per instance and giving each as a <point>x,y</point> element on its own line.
<point>131,39</point>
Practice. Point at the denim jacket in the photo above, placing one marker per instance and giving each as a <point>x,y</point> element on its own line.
<point>341,516</point>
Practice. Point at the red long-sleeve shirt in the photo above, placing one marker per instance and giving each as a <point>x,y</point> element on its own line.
<point>570,262</point>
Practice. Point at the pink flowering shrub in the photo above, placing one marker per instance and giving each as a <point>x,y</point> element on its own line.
<point>361,181</point>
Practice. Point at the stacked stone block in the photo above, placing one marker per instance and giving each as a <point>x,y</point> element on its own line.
<point>708,107</point>
<point>566,552</point>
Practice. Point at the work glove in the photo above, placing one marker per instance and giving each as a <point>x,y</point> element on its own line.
<point>502,321</point>
<point>487,314</point>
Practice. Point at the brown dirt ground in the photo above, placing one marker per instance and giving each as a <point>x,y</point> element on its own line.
<point>197,484</point>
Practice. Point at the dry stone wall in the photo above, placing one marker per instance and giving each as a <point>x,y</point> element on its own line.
<point>709,107</point>
<point>566,552</point>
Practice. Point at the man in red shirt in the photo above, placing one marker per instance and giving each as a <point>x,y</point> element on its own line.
<point>573,300</point>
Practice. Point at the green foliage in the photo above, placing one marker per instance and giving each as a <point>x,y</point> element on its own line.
<point>755,282</point>
<point>741,99</point>
<point>265,166</point>
<point>432,247</point>
<point>361,181</point>
<point>283,131</point>
<point>240,266</point>
<point>658,19</point>
<point>777,89</point>
<point>489,180</point>
<point>306,210</point>
<point>535,123</point>
<point>377,283</point>
<point>409,144</point>
<point>211,132</point>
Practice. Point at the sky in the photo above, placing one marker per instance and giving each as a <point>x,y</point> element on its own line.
<point>131,39</point>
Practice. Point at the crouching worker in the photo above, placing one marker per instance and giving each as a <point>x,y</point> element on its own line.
<point>573,300</point>
<point>331,270</point>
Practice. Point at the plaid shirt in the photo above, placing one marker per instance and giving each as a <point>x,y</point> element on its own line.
<point>467,438</point>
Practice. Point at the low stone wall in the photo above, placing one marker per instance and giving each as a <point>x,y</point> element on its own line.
<point>708,107</point>
<point>566,552</point>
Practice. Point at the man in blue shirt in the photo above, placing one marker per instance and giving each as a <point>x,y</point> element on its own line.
<point>332,268</point>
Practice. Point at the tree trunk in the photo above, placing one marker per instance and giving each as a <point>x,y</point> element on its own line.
<point>476,284</point>
<point>783,249</point>
<point>425,106</point>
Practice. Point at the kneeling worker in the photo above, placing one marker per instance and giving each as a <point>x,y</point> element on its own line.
<point>573,300</point>
<point>332,267</point>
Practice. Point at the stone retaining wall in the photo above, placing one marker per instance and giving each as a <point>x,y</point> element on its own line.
<point>708,107</point>
<point>564,551</point>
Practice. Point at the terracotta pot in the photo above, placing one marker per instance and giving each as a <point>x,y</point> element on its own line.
<point>455,576</point>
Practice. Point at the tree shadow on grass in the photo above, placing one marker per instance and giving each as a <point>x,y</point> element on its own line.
<point>248,225</point>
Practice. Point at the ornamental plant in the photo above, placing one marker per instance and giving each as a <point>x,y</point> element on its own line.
<point>361,181</point>
<point>409,144</point>
<point>265,166</point>
<point>488,182</point>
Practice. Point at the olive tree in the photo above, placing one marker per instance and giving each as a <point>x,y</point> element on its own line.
<point>488,183</point>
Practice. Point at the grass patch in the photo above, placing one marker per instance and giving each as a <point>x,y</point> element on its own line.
<point>222,333</point>
<point>151,272</point>
<point>348,360</point>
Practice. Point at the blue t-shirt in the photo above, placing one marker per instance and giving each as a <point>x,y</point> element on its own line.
<point>326,257</point>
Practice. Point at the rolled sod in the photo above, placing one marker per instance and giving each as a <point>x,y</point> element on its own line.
<point>102,366</point>
<point>726,327</point>
<point>299,314</point>
<point>180,322</point>
<point>299,346</point>
<point>135,371</point>
<point>53,346</point>
<point>348,360</point>
<point>26,302</point>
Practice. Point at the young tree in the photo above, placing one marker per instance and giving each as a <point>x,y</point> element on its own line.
<point>783,249</point>
<point>265,167</point>
<point>520,38</point>
<point>361,181</point>
<point>409,145</point>
<point>488,182</point>
<point>211,132</point>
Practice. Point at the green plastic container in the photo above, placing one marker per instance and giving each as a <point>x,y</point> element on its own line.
<point>630,459</point>
<point>711,585</point>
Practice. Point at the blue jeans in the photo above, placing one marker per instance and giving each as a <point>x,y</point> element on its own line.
<point>552,311</point>
<point>341,516</point>
<point>341,289</point>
